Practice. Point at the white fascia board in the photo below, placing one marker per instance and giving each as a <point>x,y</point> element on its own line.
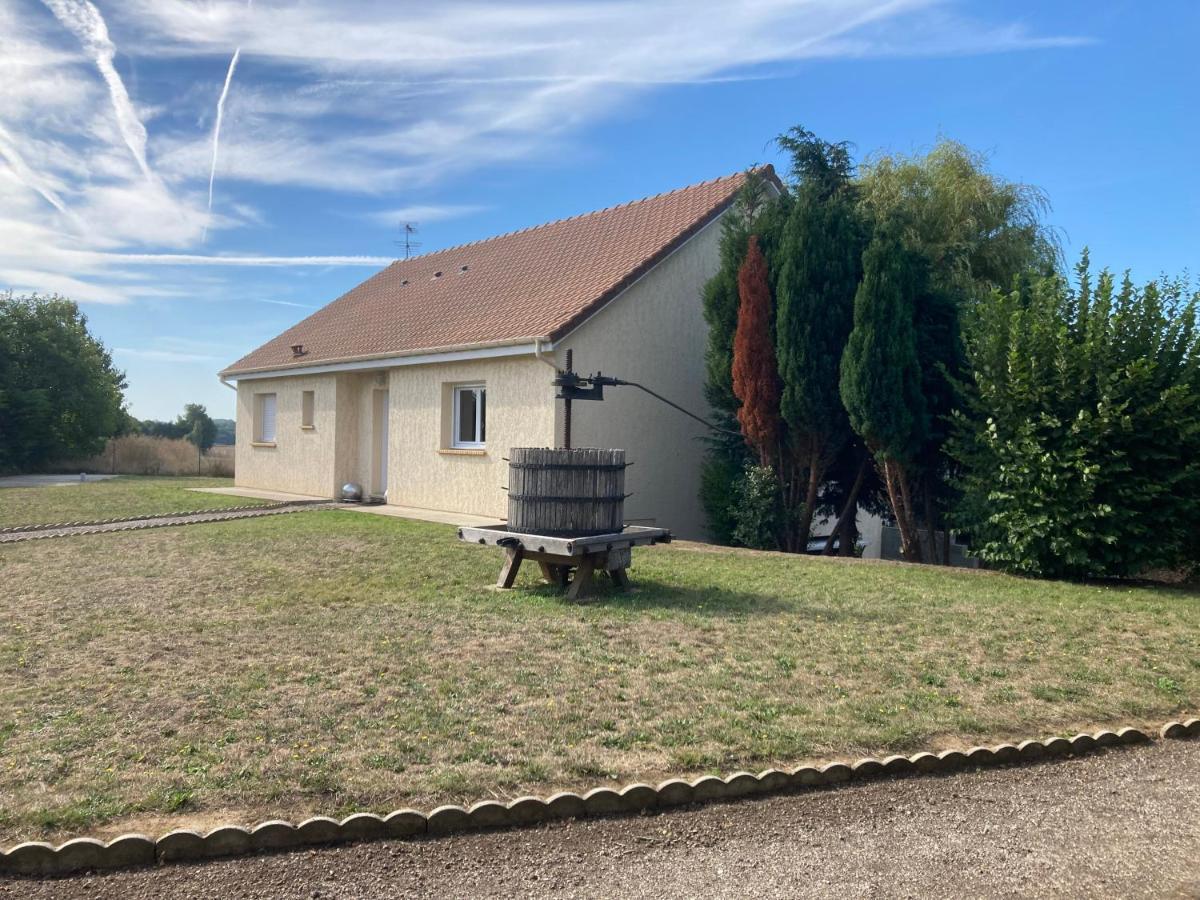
<point>417,359</point>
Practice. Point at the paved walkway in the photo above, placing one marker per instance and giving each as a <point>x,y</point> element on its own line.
<point>47,480</point>
<point>1125,823</point>
<point>257,494</point>
<point>381,509</point>
<point>38,532</point>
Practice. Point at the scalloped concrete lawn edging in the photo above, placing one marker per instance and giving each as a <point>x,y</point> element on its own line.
<point>36,858</point>
<point>42,526</point>
<point>166,520</point>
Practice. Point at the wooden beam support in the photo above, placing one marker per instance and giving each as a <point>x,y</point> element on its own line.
<point>582,581</point>
<point>512,565</point>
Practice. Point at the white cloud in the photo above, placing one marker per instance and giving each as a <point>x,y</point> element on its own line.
<point>173,356</point>
<point>112,143</point>
<point>423,213</point>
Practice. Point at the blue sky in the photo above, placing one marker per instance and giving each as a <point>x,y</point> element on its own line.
<point>343,119</point>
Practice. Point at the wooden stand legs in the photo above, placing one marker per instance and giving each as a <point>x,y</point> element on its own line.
<point>556,570</point>
<point>512,565</point>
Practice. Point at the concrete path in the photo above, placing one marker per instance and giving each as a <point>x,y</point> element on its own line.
<point>381,509</point>
<point>421,515</point>
<point>47,480</point>
<point>256,494</point>
<point>1125,823</point>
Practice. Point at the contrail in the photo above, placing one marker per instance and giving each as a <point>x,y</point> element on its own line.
<point>82,19</point>
<point>212,172</point>
<point>10,154</point>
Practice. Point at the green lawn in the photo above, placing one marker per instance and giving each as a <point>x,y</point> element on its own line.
<point>128,495</point>
<point>331,661</point>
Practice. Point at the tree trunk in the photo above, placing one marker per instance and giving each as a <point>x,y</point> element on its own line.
<point>930,523</point>
<point>804,526</point>
<point>851,504</point>
<point>848,537</point>
<point>898,493</point>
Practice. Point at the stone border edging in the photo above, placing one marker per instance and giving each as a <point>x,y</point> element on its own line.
<point>35,858</point>
<point>42,526</point>
<point>141,523</point>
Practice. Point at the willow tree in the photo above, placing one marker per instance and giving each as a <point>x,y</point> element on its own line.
<point>881,375</point>
<point>976,230</point>
<point>820,269</point>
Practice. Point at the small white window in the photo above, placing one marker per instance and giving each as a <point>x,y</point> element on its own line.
<point>470,417</point>
<point>265,419</point>
<point>307,402</point>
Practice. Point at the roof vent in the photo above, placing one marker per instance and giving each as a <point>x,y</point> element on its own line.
<point>403,282</point>
<point>298,350</point>
<point>463,269</point>
<point>437,274</point>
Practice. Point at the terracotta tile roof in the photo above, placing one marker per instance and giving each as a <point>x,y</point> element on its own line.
<point>517,287</point>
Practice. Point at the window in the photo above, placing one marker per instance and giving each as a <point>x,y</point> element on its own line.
<point>470,417</point>
<point>264,418</point>
<point>307,401</point>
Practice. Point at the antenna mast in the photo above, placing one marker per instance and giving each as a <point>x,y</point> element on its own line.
<point>408,229</point>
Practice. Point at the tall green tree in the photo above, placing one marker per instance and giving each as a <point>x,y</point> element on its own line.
<point>820,268</point>
<point>1079,435</point>
<point>976,232</point>
<point>60,394</point>
<point>881,374</point>
<point>197,426</point>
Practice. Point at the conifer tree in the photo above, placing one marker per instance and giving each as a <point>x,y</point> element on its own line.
<point>821,251</point>
<point>881,374</point>
<point>755,378</point>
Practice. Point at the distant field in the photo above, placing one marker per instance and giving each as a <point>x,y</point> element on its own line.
<point>112,498</point>
<point>330,661</point>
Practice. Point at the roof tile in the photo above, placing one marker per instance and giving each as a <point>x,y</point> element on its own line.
<point>536,283</point>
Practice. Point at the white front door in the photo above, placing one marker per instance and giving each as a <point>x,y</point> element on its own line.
<point>379,427</point>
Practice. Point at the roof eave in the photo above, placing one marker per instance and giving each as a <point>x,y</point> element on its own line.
<point>481,350</point>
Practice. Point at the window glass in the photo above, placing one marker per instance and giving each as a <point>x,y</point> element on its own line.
<point>470,411</point>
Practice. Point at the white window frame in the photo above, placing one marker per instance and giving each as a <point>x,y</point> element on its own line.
<point>260,416</point>
<point>480,392</point>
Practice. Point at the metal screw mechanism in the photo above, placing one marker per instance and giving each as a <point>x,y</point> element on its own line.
<point>570,371</point>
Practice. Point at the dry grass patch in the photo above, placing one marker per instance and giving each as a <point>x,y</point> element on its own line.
<point>328,661</point>
<point>113,498</point>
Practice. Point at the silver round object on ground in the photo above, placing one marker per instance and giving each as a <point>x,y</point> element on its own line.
<point>352,492</point>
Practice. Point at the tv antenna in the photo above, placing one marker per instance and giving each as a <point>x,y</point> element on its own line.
<point>408,229</point>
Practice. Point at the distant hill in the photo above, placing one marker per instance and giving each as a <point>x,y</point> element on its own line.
<point>225,430</point>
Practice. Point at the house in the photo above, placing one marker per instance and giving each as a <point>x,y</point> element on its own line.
<point>416,383</point>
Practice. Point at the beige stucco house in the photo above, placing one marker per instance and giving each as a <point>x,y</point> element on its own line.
<point>416,383</point>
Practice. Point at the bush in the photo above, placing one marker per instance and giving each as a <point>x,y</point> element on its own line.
<point>140,454</point>
<point>757,508</point>
<point>1080,439</point>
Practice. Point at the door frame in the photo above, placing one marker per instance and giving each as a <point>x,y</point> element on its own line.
<point>380,440</point>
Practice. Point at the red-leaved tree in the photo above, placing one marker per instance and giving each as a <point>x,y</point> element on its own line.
<point>755,375</point>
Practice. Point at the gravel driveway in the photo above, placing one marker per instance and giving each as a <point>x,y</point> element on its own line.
<point>1122,824</point>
